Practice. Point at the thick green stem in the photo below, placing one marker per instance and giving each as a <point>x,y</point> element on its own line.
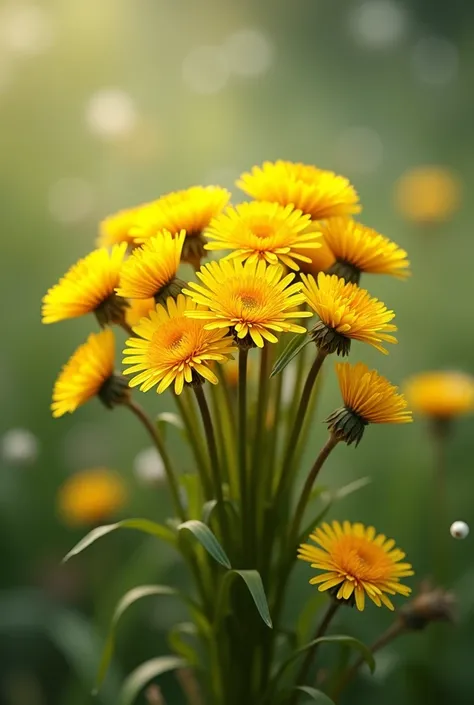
<point>242,435</point>
<point>311,653</point>
<point>141,414</point>
<point>214,457</point>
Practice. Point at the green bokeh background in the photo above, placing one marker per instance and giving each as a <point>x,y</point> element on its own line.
<point>324,79</point>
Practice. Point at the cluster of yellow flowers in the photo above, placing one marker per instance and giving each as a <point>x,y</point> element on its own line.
<point>293,251</point>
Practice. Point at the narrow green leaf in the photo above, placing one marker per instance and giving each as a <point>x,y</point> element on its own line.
<point>317,695</point>
<point>295,346</point>
<point>330,497</point>
<point>207,539</point>
<point>209,507</point>
<point>169,419</point>
<point>177,642</point>
<point>193,489</point>
<point>342,639</point>
<point>142,675</point>
<point>254,584</point>
<point>144,525</point>
<point>352,487</point>
<point>127,600</point>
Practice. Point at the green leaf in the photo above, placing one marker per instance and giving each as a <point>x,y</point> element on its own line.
<point>342,639</point>
<point>127,600</point>
<point>207,539</point>
<point>354,486</point>
<point>193,490</point>
<point>144,525</point>
<point>295,346</point>
<point>317,695</point>
<point>177,641</point>
<point>254,584</point>
<point>169,419</point>
<point>142,675</point>
<point>209,507</point>
<point>330,497</point>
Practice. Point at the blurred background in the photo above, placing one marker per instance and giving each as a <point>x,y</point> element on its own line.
<point>107,104</point>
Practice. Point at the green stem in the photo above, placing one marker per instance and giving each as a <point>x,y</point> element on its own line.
<point>330,444</point>
<point>298,423</point>
<point>214,457</point>
<point>243,357</point>
<point>191,424</point>
<point>311,653</point>
<point>229,430</point>
<point>141,414</point>
<point>255,480</point>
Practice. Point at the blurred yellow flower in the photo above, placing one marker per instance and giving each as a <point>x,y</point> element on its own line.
<point>322,259</point>
<point>89,372</point>
<point>151,270</point>
<point>91,496</point>
<point>172,348</point>
<point>118,227</point>
<point>317,192</point>
<point>89,287</point>
<point>368,398</point>
<point>138,309</point>
<point>191,210</point>
<point>358,249</point>
<point>428,194</point>
<point>262,230</point>
<point>357,562</point>
<point>252,299</point>
<point>346,313</point>
<point>441,395</point>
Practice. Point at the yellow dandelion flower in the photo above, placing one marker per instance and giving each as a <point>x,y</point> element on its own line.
<point>260,230</point>
<point>191,210</point>
<point>89,287</point>
<point>252,299</point>
<point>357,562</point>
<point>118,227</point>
<point>322,259</point>
<point>317,192</point>
<point>138,309</point>
<point>428,194</point>
<point>88,373</point>
<point>91,496</point>
<point>441,395</point>
<point>170,347</point>
<point>368,398</point>
<point>151,270</point>
<point>347,313</point>
<point>358,249</point>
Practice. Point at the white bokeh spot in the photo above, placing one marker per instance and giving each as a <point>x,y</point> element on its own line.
<point>111,113</point>
<point>25,29</point>
<point>249,52</point>
<point>378,24</point>
<point>19,446</point>
<point>205,69</point>
<point>148,466</point>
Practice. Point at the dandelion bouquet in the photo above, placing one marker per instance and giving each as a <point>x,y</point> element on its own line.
<point>286,289</point>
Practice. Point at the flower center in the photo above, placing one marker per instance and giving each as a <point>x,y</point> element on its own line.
<point>175,341</point>
<point>262,230</point>
<point>249,302</point>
